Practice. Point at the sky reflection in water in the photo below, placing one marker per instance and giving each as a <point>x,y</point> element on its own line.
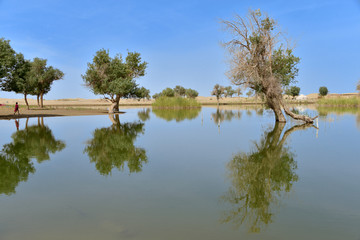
<point>201,174</point>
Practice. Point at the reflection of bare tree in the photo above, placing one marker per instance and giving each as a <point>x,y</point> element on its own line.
<point>259,178</point>
<point>222,115</point>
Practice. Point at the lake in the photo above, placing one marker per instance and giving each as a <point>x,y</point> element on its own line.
<point>228,173</point>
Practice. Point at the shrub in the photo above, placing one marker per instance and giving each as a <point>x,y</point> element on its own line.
<point>175,102</point>
<point>293,91</point>
<point>191,93</point>
<point>323,91</point>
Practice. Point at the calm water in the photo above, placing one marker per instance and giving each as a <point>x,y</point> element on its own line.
<point>201,174</point>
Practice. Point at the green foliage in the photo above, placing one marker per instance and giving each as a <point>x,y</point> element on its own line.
<point>112,147</point>
<point>258,179</point>
<point>191,93</point>
<point>156,95</point>
<point>175,102</point>
<point>7,59</point>
<point>284,66</point>
<point>143,93</point>
<point>144,114</point>
<point>229,91</point>
<point>218,91</point>
<point>35,142</point>
<point>225,115</point>
<point>344,102</point>
<point>42,76</point>
<point>293,91</point>
<point>358,86</point>
<point>177,114</point>
<point>323,91</point>
<point>179,91</point>
<point>168,92</point>
<point>114,77</point>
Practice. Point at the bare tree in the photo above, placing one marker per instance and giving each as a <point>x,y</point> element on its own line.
<point>358,86</point>
<point>260,61</point>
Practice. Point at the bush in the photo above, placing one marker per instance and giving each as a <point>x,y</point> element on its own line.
<point>168,92</point>
<point>293,91</point>
<point>175,102</point>
<point>191,93</point>
<point>323,91</point>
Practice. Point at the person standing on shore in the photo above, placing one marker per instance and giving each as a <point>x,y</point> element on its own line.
<point>16,109</point>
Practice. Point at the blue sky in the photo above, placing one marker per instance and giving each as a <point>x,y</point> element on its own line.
<point>180,39</point>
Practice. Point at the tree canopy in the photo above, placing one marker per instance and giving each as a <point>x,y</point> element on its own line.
<point>261,60</point>
<point>323,91</point>
<point>114,77</point>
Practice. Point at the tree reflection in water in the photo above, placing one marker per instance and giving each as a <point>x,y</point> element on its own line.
<point>177,114</point>
<point>144,114</point>
<point>112,147</point>
<point>222,115</point>
<point>34,142</point>
<point>259,178</point>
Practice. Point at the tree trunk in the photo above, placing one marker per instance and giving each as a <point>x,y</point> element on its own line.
<point>112,107</point>
<point>274,104</point>
<point>42,100</point>
<point>26,101</point>
<point>38,102</point>
<point>117,100</point>
<point>296,116</point>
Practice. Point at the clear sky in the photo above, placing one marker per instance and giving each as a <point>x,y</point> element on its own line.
<point>180,39</point>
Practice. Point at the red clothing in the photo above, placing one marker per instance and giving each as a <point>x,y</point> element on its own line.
<point>16,108</point>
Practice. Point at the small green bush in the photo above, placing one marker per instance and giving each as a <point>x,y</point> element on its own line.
<point>323,91</point>
<point>175,102</point>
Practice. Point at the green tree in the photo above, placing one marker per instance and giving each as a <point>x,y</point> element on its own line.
<point>7,60</point>
<point>293,91</point>
<point>179,91</point>
<point>358,86</point>
<point>43,77</point>
<point>143,93</point>
<point>156,95</point>
<point>168,92</point>
<point>191,93</point>
<point>229,91</point>
<point>113,77</point>
<point>260,61</point>
<point>19,81</point>
<point>323,91</point>
<point>218,91</point>
<point>259,179</point>
<point>112,147</point>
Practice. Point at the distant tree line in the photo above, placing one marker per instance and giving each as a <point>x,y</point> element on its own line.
<point>177,91</point>
<point>27,77</point>
<point>221,91</point>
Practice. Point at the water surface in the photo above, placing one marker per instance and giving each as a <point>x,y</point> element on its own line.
<point>227,173</point>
